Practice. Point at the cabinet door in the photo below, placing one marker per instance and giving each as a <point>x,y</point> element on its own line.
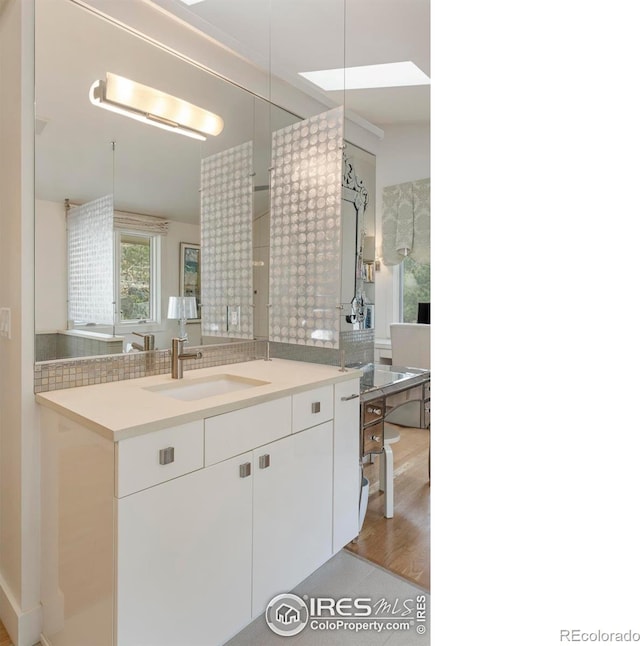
<point>292,501</point>
<point>184,559</point>
<point>346,471</point>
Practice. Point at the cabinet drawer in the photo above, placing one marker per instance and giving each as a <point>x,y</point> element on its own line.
<point>153,458</point>
<point>312,407</point>
<point>242,430</point>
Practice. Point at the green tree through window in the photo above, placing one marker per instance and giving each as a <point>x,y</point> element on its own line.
<point>135,277</point>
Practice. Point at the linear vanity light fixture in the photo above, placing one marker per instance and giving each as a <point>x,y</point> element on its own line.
<point>368,76</point>
<point>143,103</point>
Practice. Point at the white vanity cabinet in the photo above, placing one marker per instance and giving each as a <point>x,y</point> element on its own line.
<point>346,470</point>
<point>292,511</point>
<point>184,559</point>
<point>210,519</point>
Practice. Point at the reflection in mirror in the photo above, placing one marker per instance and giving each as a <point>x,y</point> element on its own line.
<point>358,239</point>
<point>154,177</point>
<point>154,173</point>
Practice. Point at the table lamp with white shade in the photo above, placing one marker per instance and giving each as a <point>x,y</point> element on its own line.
<point>182,308</point>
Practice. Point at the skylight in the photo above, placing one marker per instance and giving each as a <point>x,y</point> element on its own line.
<point>368,76</point>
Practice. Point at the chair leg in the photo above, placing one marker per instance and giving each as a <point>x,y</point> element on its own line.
<point>388,482</point>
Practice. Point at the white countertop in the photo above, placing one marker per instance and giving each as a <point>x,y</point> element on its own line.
<point>123,409</point>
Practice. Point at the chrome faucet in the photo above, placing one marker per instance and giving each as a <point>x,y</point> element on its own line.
<point>149,342</point>
<point>178,356</point>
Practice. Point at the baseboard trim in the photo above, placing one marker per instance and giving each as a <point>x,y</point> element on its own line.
<point>23,627</point>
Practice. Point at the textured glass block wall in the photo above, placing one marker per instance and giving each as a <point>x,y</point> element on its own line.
<point>90,261</point>
<point>304,280</point>
<point>226,220</point>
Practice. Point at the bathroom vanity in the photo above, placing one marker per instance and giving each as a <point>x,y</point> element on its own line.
<point>174,510</point>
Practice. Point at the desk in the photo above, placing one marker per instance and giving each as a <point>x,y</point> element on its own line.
<point>377,384</point>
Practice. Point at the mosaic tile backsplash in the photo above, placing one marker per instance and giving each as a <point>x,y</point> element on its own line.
<point>358,347</point>
<point>70,373</point>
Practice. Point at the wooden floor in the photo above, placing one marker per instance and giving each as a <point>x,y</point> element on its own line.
<point>4,637</point>
<point>401,544</point>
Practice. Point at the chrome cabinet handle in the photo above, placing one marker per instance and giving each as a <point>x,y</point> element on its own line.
<point>245,469</point>
<point>166,456</point>
<point>375,411</point>
<point>346,399</point>
<point>264,461</point>
<point>315,407</point>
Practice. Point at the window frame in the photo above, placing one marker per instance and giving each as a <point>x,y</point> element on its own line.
<point>155,247</point>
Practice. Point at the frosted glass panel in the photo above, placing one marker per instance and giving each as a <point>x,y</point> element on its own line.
<point>304,280</point>
<point>226,243</point>
<point>90,261</point>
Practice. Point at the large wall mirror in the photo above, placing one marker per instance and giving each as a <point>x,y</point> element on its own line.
<point>84,153</point>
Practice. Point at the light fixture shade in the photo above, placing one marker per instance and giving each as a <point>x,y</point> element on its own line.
<point>154,107</point>
<point>182,307</point>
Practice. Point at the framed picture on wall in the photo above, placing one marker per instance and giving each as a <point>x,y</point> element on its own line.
<point>190,272</point>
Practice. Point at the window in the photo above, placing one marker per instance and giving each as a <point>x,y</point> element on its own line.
<point>415,287</point>
<point>137,257</point>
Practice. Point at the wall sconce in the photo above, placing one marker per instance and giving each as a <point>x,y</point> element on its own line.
<point>182,308</point>
<point>153,107</point>
<point>378,258</point>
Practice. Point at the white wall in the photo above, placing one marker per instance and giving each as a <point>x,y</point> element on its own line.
<point>170,281</point>
<point>19,447</point>
<point>51,267</point>
<point>403,156</point>
<point>51,274</point>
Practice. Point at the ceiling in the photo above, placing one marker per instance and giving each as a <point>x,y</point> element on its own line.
<point>291,36</point>
<point>158,173</point>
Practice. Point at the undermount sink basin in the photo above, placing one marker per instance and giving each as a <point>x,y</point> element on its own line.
<point>192,389</point>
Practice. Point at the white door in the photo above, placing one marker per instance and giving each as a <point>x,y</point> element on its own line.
<point>292,502</point>
<point>184,559</point>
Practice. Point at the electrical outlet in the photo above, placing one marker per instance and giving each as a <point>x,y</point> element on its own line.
<point>233,317</point>
<point>5,322</point>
